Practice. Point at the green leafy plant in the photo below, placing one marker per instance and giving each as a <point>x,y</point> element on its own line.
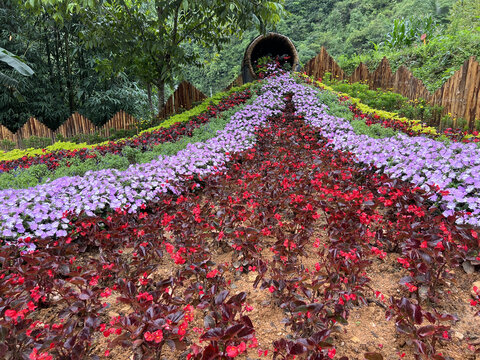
<point>7,145</point>
<point>19,66</point>
<point>406,32</point>
<point>37,142</point>
<point>261,64</point>
<point>374,131</point>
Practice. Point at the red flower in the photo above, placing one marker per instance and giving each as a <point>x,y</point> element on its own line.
<point>212,274</point>
<point>148,336</point>
<point>156,336</point>
<point>232,351</point>
<point>144,296</point>
<point>11,313</point>
<point>34,355</point>
<point>242,347</point>
<point>169,248</point>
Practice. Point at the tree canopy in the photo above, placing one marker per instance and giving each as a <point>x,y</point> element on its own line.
<point>148,37</point>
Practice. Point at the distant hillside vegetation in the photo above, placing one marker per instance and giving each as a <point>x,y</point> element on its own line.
<point>366,30</point>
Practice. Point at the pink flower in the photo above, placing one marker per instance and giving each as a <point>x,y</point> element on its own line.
<point>232,351</point>
<point>212,274</point>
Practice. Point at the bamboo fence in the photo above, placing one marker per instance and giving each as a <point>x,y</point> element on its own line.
<point>182,99</point>
<point>459,95</point>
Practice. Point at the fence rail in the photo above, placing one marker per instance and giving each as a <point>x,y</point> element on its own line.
<point>459,95</point>
<point>183,98</point>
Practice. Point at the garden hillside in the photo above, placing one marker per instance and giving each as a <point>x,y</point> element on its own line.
<point>295,216</point>
<point>282,223</point>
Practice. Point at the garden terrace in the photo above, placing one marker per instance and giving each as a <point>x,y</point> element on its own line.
<point>146,141</point>
<point>284,227</point>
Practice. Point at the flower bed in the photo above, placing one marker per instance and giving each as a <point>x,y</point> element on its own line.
<point>454,168</point>
<point>181,276</point>
<point>415,129</point>
<point>145,141</point>
<point>39,211</point>
<point>76,166</point>
<point>391,120</point>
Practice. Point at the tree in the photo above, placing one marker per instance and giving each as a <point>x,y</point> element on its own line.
<point>19,66</point>
<point>149,37</point>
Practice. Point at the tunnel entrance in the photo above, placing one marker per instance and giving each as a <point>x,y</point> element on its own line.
<point>272,45</point>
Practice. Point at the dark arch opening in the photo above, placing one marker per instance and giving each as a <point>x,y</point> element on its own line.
<point>272,46</point>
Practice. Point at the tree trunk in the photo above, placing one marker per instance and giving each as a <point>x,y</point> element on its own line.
<point>161,96</point>
<point>57,60</point>
<point>149,93</point>
<point>68,74</point>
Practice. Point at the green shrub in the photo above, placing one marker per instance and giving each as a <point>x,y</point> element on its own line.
<point>37,142</point>
<point>132,154</point>
<point>375,131</point>
<point>420,110</point>
<point>113,161</point>
<point>335,108</point>
<point>377,99</point>
<point>7,145</point>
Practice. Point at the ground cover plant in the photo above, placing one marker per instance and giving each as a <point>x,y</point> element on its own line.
<point>286,230</point>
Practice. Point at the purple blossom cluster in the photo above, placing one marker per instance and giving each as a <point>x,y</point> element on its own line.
<point>420,160</point>
<point>39,211</point>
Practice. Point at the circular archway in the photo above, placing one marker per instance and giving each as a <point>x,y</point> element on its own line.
<point>270,44</point>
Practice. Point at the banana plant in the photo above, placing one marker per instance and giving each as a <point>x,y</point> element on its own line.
<point>19,66</point>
